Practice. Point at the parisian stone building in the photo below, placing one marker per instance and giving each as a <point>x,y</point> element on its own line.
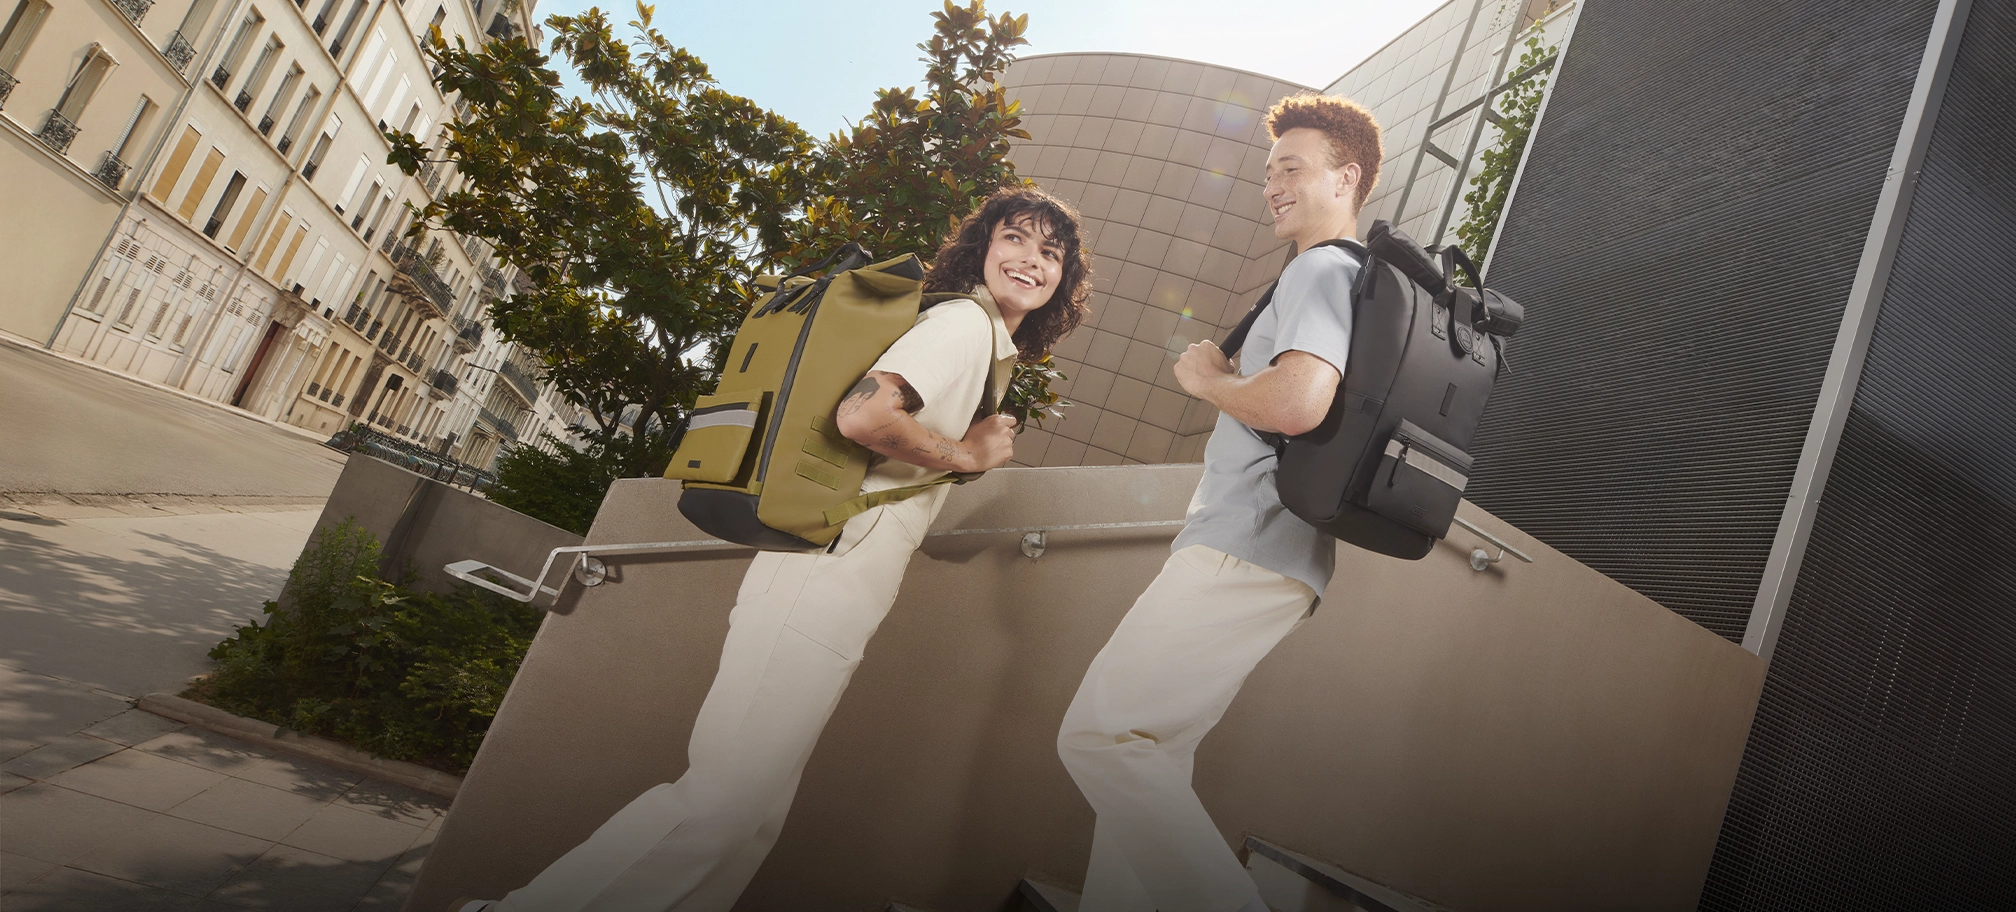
<point>198,197</point>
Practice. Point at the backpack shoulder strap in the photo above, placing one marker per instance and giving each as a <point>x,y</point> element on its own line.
<point>1237,338</point>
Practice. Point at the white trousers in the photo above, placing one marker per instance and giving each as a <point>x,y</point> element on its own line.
<point>800,624</point>
<point>1129,738</point>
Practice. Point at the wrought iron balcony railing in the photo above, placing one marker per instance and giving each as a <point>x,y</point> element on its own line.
<point>308,170</point>
<point>319,25</point>
<point>58,132</point>
<point>134,9</point>
<point>520,382</point>
<point>338,401</point>
<point>266,125</point>
<point>313,388</point>
<point>376,325</point>
<point>111,171</point>
<point>468,334</point>
<point>213,226</point>
<point>243,101</point>
<point>413,363</point>
<point>431,287</point>
<point>502,424</point>
<point>220,78</point>
<point>7,84</point>
<point>443,383</point>
<point>286,142</point>
<point>179,51</point>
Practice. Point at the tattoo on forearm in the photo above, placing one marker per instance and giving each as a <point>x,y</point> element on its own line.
<point>947,450</point>
<point>859,395</point>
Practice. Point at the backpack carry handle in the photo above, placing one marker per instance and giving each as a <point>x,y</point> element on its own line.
<point>1453,259</point>
<point>850,255</point>
<point>1391,245</point>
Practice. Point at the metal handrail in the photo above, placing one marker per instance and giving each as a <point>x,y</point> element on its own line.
<point>589,571</point>
<point>1480,559</point>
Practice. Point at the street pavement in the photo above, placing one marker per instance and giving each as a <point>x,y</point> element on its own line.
<point>70,428</point>
<point>137,529</point>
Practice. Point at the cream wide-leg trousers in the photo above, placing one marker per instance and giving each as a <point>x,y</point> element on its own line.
<point>1160,684</point>
<point>800,624</point>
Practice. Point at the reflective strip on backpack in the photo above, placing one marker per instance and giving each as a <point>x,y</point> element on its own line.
<point>737,417</point>
<point>1429,465</point>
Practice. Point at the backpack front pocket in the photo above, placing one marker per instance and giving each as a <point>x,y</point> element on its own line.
<point>716,446</point>
<point>1420,480</point>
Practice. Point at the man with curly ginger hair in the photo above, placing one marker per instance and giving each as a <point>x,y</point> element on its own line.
<point>802,620</point>
<point>1244,571</point>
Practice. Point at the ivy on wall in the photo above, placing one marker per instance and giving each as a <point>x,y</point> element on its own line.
<point>1492,183</point>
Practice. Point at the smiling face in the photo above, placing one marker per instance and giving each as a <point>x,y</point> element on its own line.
<point>1310,197</point>
<point>1023,267</point>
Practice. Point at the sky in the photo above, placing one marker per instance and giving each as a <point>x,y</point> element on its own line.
<point>819,63</point>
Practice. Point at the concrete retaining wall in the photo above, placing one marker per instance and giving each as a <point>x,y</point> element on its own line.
<point>424,524</point>
<point>1530,737</point>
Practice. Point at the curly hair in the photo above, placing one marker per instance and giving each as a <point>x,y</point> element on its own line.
<point>1351,130</point>
<point>961,261</point>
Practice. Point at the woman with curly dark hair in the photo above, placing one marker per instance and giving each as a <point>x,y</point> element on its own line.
<point>802,620</point>
<point>961,262</point>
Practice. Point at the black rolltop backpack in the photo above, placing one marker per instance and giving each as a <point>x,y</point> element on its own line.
<point>1388,464</point>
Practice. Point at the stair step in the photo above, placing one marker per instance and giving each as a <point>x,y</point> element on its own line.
<point>1047,898</point>
<point>1367,895</point>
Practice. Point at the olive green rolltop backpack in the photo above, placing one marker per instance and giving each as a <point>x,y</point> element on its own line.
<point>762,461</point>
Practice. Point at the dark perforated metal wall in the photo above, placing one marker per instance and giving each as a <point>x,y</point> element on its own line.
<point>1685,233</point>
<point>1881,771</point>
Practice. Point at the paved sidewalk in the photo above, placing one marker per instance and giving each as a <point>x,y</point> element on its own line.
<point>139,812</point>
<point>109,808</point>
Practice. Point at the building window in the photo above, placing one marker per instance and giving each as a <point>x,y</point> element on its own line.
<point>245,221</point>
<point>177,160</point>
<point>273,239</point>
<point>181,46</point>
<point>61,128</point>
<point>299,119</point>
<point>280,98</point>
<point>224,204</point>
<point>22,25</point>
<point>343,34</point>
<point>112,171</point>
<point>314,162</point>
<point>256,82</point>
<point>201,185</point>
<point>321,21</point>
<point>235,53</point>
<point>350,186</point>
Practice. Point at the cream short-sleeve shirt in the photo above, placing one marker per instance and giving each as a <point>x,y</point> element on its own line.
<point>949,357</point>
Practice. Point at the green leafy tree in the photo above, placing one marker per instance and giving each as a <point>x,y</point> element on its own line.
<point>563,487</point>
<point>1492,183</point>
<point>640,215</point>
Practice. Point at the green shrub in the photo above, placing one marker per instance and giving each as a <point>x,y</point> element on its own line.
<point>563,488</point>
<point>404,674</point>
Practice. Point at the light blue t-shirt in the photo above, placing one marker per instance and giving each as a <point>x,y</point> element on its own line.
<point>1237,509</point>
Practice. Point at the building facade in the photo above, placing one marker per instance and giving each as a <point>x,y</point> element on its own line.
<point>251,244</point>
